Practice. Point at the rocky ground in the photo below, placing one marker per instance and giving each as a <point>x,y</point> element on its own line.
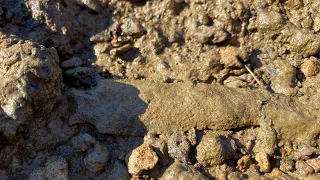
<point>159,89</point>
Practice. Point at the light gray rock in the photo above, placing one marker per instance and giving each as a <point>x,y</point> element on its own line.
<point>179,147</point>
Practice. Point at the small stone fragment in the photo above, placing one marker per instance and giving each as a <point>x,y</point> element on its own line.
<point>283,77</point>
<point>314,163</point>
<point>56,168</point>
<point>115,172</point>
<point>192,136</point>
<point>97,158</point>
<point>214,149</point>
<point>83,142</point>
<point>179,147</point>
<point>142,158</point>
<point>244,162</point>
<point>133,27</point>
<point>303,169</point>
<point>231,57</point>
<point>263,160</point>
<point>179,171</point>
<point>268,21</point>
<point>286,165</point>
<point>310,67</point>
<point>72,63</point>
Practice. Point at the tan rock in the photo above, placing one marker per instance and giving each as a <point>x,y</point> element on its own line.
<point>232,57</point>
<point>244,162</point>
<point>263,161</point>
<point>303,169</point>
<point>142,158</point>
<point>314,163</point>
<point>214,149</point>
<point>310,67</point>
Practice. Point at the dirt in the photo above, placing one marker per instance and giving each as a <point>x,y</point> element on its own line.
<point>222,89</point>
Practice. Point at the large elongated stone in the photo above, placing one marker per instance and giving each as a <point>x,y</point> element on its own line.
<point>135,107</point>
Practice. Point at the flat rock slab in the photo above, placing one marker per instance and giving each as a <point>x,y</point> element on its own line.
<point>137,107</point>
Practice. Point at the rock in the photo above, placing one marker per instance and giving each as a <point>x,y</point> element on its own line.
<point>300,41</point>
<point>160,147</point>
<point>269,21</point>
<point>132,27</point>
<point>263,161</point>
<point>72,63</point>
<point>82,77</point>
<point>97,158</point>
<point>314,163</point>
<point>233,57</point>
<point>214,149</point>
<point>142,158</point>
<point>182,171</point>
<point>32,86</point>
<point>310,67</point>
<point>286,165</point>
<point>192,136</point>
<point>208,34</point>
<point>56,168</point>
<point>278,174</point>
<point>303,169</point>
<point>115,171</point>
<point>283,77</point>
<point>133,107</point>
<point>179,147</point>
<point>15,164</point>
<point>83,142</point>
<point>244,163</point>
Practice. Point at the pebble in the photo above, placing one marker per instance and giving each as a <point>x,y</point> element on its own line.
<point>142,158</point>
<point>244,162</point>
<point>314,163</point>
<point>179,147</point>
<point>310,67</point>
<point>263,161</point>
<point>97,158</point>
<point>303,169</point>
<point>83,142</point>
<point>214,149</point>
<point>132,27</point>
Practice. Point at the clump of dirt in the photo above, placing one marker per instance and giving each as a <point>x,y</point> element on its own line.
<point>162,89</point>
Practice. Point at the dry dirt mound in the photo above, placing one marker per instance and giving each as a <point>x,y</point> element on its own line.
<point>159,89</point>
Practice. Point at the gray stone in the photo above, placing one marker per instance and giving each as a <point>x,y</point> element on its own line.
<point>97,158</point>
<point>179,147</point>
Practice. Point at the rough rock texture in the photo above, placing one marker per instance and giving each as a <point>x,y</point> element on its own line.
<point>179,147</point>
<point>97,158</point>
<point>214,149</point>
<point>182,171</point>
<point>141,158</point>
<point>32,87</point>
<point>177,71</point>
<point>166,108</point>
<point>56,168</point>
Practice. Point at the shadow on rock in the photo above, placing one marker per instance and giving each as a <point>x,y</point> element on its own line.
<point>112,107</point>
